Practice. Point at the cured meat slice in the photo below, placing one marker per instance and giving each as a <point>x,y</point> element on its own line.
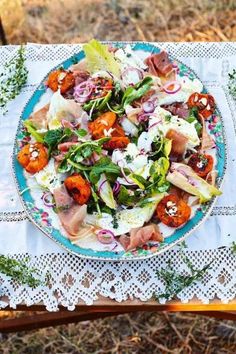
<point>159,64</point>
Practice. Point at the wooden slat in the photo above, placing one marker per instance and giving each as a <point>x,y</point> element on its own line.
<point>43,320</point>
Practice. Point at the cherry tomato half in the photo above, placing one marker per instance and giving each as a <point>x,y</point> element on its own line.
<point>173,211</point>
<point>202,164</point>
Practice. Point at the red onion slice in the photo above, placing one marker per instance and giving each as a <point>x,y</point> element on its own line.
<point>116,188</point>
<point>154,124</point>
<point>101,185</point>
<point>47,200</point>
<point>105,236</point>
<point>167,89</point>
<point>148,107</point>
<point>128,180</point>
<point>126,72</point>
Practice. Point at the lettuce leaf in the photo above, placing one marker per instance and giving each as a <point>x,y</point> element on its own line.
<point>105,192</point>
<point>99,58</point>
<point>183,176</point>
<point>33,131</point>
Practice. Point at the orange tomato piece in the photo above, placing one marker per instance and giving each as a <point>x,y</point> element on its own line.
<point>204,102</point>
<point>173,211</point>
<point>33,157</point>
<point>79,188</point>
<point>103,122</point>
<point>61,78</point>
<point>118,130</point>
<point>116,142</point>
<point>202,164</point>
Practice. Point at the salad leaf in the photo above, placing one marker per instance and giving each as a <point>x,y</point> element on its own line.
<point>137,91</point>
<point>182,176</point>
<point>78,153</point>
<point>104,165</point>
<point>98,104</point>
<point>125,198</point>
<point>192,117</point>
<point>33,131</point>
<point>105,192</point>
<point>139,180</point>
<point>53,137</point>
<point>158,172</point>
<point>98,58</point>
<point>161,147</point>
<point>81,132</point>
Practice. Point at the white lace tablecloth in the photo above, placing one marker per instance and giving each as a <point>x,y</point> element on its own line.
<point>73,279</point>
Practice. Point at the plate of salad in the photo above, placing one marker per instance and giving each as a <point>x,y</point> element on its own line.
<point>120,153</point>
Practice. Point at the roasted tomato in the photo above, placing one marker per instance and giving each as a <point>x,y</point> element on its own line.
<point>61,78</point>
<point>173,211</point>
<point>202,164</point>
<point>101,87</point>
<point>79,188</point>
<point>117,130</point>
<point>204,102</point>
<point>33,157</point>
<point>119,142</point>
<point>103,122</point>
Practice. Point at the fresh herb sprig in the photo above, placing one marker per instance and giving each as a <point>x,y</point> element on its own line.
<point>176,282</point>
<point>232,83</point>
<point>20,271</point>
<point>12,78</point>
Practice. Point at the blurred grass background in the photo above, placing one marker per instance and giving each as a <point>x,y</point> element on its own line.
<point>56,21</point>
<point>73,21</point>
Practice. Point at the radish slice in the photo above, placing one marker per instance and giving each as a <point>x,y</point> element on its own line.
<point>171,87</point>
<point>131,76</point>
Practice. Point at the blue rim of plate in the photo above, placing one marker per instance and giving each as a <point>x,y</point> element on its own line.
<point>178,236</point>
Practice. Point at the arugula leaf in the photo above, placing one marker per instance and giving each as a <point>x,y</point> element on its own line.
<point>53,137</point>
<point>125,198</point>
<point>139,180</point>
<point>97,104</point>
<point>33,131</point>
<point>192,117</point>
<point>98,58</point>
<point>104,165</point>
<point>137,91</point>
<point>81,132</point>
<point>161,147</point>
<point>78,153</point>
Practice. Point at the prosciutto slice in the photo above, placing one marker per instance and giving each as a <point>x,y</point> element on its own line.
<point>70,213</point>
<point>159,64</point>
<point>177,109</point>
<point>207,142</point>
<point>140,236</point>
<point>179,144</point>
<point>39,118</point>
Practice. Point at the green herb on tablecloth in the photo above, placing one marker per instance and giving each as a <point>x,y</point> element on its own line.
<point>232,83</point>
<point>175,281</point>
<point>12,78</point>
<point>21,272</point>
<point>233,248</point>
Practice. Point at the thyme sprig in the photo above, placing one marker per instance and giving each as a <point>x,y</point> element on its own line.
<point>232,83</point>
<point>12,78</point>
<point>21,272</point>
<point>175,281</point>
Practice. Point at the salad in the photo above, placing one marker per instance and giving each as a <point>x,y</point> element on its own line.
<point>121,151</point>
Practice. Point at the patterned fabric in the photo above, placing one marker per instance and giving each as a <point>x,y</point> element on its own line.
<point>74,279</point>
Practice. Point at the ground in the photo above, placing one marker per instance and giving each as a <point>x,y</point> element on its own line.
<point>74,21</point>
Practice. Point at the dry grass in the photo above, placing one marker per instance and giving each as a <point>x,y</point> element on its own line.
<point>51,21</point>
<point>140,333</point>
<point>69,21</point>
